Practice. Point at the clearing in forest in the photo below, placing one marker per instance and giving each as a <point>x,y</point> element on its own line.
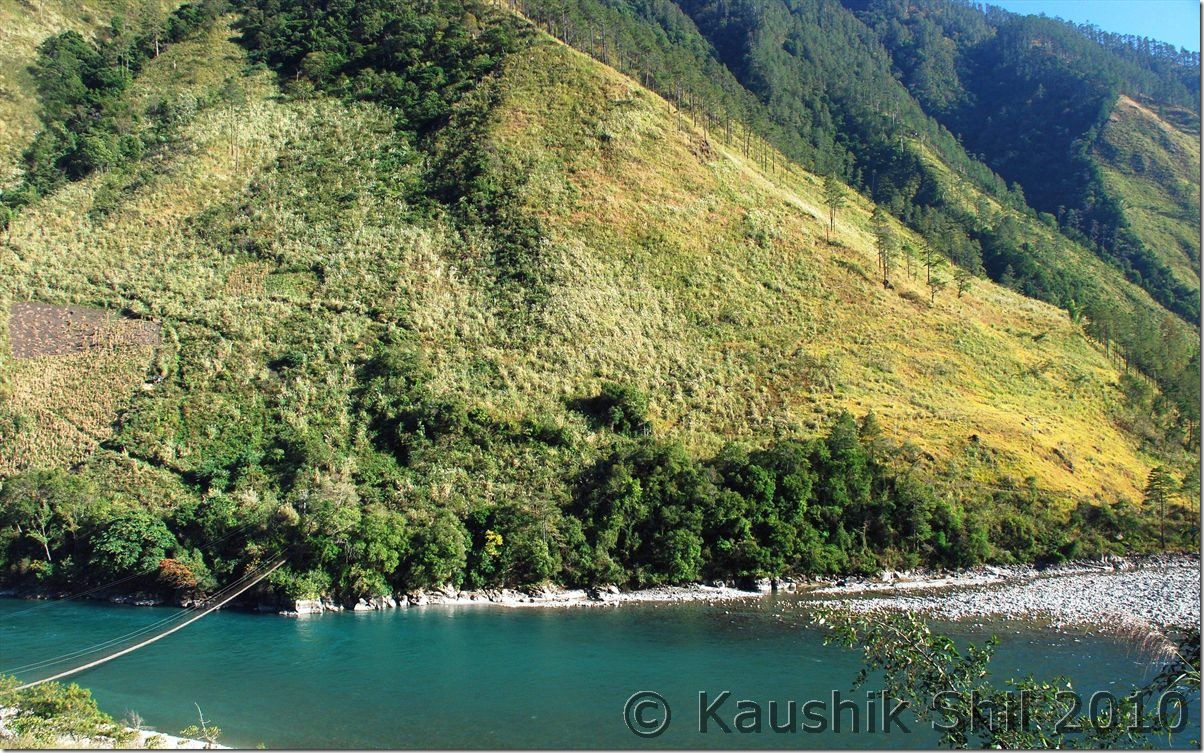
<point>41,329</point>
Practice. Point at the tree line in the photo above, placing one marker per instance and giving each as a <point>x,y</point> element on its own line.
<point>643,512</point>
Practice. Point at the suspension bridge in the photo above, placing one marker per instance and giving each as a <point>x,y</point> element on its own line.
<point>157,630</point>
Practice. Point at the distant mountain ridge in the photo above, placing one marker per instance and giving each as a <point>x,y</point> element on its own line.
<point>1031,95</point>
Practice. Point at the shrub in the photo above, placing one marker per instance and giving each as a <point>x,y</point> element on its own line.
<point>53,710</point>
<point>620,408</point>
<point>438,552</point>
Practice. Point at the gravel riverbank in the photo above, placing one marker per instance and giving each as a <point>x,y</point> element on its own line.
<point>1115,591</point>
<point>1112,594</point>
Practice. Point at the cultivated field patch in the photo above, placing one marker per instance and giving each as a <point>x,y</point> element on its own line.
<point>72,370</point>
<point>42,329</point>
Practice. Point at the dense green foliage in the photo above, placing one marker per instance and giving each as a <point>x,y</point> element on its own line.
<point>87,126</point>
<point>952,689</point>
<point>420,58</point>
<point>55,715</point>
<point>644,513</point>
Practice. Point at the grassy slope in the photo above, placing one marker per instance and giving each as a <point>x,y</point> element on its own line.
<point>708,283</point>
<point>59,253</point>
<point>1108,282</point>
<point>1152,165</point>
<point>23,26</point>
<point>693,275</point>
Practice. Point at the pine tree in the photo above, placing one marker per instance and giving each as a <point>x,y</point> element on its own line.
<point>1159,488</point>
<point>887,242</point>
<point>933,262</point>
<point>963,280</point>
<point>936,284</point>
<point>834,199</point>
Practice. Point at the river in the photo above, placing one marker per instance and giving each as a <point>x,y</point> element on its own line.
<point>479,676</point>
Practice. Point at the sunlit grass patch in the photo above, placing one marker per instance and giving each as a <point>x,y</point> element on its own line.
<point>1151,165</point>
<point>275,242</point>
<point>702,274</point>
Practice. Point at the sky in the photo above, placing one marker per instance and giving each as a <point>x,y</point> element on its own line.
<point>1174,21</point>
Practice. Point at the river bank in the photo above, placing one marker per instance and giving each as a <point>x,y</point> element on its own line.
<point>1114,594</point>
<point>106,736</point>
<point>536,597</point>
<point>1158,590</point>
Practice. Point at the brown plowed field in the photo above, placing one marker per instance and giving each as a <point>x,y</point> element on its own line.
<point>41,329</point>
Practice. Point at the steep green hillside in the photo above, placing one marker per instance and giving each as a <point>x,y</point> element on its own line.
<point>1152,166</point>
<point>825,95</point>
<point>1030,95</point>
<point>23,25</point>
<point>532,325</point>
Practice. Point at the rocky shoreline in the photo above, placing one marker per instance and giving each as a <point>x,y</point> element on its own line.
<point>1155,590</point>
<point>544,596</point>
<point>1114,593</point>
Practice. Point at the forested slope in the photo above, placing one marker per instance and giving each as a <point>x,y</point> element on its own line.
<point>1032,95</point>
<point>437,299</point>
<point>23,26</point>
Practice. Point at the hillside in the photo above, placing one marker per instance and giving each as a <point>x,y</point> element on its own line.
<point>1151,164</point>
<point>774,329</point>
<point>1030,95</point>
<point>549,329</point>
<point>883,94</point>
<point>23,25</point>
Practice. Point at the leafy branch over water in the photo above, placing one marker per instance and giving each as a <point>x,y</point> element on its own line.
<point>952,689</point>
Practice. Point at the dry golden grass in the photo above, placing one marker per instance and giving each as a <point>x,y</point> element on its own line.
<point>67,404</point>
<point>247,279</point>
<point>687,271</point>
<point>1154,166</point>
<point>707,283</point>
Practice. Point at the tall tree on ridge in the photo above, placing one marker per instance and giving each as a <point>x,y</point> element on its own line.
<point>1159,487</point>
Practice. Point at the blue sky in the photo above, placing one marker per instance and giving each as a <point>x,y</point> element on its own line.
<point>1174,21</point>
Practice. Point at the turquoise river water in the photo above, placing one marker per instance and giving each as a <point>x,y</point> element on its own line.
<point>480,676</point>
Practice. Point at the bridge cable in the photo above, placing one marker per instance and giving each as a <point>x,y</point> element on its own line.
<point>132,634</point>
<point>275,566</point>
